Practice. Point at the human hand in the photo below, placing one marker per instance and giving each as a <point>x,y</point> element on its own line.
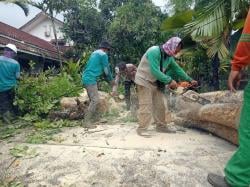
<point>194,83</point>
<point>234,76</point>
<point>172,85</point>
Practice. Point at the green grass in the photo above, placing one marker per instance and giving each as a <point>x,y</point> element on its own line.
<point>129,119</point>
<point>41,136</point>
<point>111,115</point>
<point>10,130</point>
<point>11,184</point>
<point>23,151</point>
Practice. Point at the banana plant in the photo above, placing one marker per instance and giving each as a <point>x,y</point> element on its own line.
<point>23,4</point>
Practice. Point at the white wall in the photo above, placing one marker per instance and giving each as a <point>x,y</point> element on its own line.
<point>42,27</point>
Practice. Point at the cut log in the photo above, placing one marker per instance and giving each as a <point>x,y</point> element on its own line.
<point>224,132</point>
<point>76,107</point>
<point>220,117</point>
<point>68,103</point>
<point>226,114</point>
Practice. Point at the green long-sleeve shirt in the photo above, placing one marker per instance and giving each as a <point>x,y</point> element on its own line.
<point>9,73</point>
<point>153,55</point>
<point>97,65</point>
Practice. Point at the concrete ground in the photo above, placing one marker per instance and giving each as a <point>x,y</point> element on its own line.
<point>114,155</point>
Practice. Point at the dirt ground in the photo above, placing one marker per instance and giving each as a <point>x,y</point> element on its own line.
<point>114,155</point>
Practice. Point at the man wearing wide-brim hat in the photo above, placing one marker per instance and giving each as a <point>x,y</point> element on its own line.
<point>97,65</point>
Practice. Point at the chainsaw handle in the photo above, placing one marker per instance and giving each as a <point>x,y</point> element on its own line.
<point>194,87</point>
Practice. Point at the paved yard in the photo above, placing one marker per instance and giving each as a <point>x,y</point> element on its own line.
<point>114,155</point>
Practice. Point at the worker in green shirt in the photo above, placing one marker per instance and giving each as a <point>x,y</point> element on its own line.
<point>155,73</point>
<point>9,74</point>
<point>97,65</point>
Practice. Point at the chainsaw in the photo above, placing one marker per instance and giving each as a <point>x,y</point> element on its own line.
<point>187,91</point>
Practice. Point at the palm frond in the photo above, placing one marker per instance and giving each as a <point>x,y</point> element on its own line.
<point>224,65</point>
<point>235,5</point>
<point>177,21</point>
<point>215,45</point>
<point>210,21</point>
<point>238,24</point>
<point>23,5</point>
<point>238,6</point>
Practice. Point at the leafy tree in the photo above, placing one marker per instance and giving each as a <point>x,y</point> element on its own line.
<point>130,26</point>
<point>84,24</point>
<point>135,27</point>
<point>177,6</point>
<point>108,8</point>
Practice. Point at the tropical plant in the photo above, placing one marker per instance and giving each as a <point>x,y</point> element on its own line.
<point>214,23</point>
<point>211,26</point>
<point>210,23</point>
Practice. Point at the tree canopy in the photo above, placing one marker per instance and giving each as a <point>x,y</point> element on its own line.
<point>135,28</point>
<point>130,26</point>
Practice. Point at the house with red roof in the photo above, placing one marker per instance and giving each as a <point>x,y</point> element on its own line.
<point>41,27</point>
<point>30,48</point>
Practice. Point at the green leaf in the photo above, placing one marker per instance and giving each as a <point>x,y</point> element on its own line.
<point>177,21</point>
<point>7,132</point>
<point>215,45</point>
<point>238,24</point>
<point>24,6</point>
<point>23,151</point>
<point>210,21</point>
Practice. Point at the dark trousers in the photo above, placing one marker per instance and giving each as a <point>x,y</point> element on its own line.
<point>127,86</point>
<point>6,101</point>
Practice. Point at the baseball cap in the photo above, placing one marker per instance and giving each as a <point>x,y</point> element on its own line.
<point>12,47</point>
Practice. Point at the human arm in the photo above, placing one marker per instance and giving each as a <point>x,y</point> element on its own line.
<point>130,71</point>
<point>154,58</point>
<point>241,57</point>
<point>116,81</point>
<point>106,68</point>
<point>233,77</point>
<point>18,72</point>
<point>178,72</point>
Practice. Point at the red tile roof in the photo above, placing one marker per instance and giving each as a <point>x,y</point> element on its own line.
<point>27,43</point>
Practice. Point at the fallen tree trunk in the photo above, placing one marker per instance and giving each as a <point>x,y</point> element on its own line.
<point>220,117</point>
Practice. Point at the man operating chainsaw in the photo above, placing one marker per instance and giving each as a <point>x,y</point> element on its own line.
<point>155,73</point>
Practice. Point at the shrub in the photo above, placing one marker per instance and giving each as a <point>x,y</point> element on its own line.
<point>38,95</point>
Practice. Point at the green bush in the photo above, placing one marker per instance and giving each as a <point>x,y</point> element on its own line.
<point>38,95</point>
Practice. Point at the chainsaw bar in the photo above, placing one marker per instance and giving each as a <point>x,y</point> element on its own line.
<point>195,97</point>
